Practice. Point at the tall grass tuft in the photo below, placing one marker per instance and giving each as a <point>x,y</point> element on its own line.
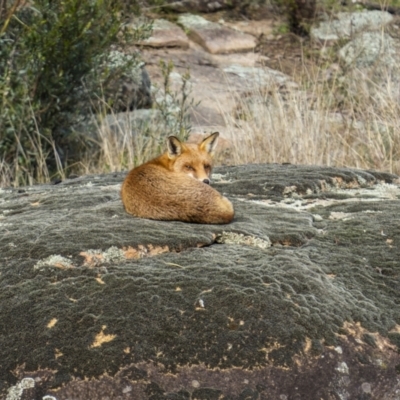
<point>126,141</point>
<point>340,121</point>
<point>47,49</point>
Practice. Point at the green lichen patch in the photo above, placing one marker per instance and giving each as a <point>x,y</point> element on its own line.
<point>15,392</point>
<point>94,258</point>
<point>239,238</point>
<point>55,261</point>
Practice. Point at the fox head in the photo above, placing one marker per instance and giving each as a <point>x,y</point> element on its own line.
<point>194,160</point>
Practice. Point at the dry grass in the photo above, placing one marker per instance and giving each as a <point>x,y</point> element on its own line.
<point>16,174</point>
<point>125,144</point>
<point>338,122</point>
<point>111,142</point>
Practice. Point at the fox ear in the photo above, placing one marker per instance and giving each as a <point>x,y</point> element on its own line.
<point>210,143</point>
<point>174,146</point>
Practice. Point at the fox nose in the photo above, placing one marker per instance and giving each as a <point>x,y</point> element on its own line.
<point>206,181</point>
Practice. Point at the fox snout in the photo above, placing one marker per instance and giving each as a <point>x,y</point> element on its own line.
<point>204,177</point>
<point>206,180</point>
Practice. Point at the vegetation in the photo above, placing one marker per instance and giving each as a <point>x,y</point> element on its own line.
<point>337,115</point>
<point>58,68</point>
<point>295,128</point>
<point>138,141</point>
<point>47,52</point>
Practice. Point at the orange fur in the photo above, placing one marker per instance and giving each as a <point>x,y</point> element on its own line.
<point>174,186</point>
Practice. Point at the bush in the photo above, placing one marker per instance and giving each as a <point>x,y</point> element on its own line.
<point>46,51</point>
<point>129,139</point>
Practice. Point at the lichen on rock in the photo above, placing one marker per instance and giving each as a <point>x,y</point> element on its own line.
<point>95,302</point>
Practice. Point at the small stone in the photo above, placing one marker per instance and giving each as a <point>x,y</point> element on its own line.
<point>366,387</point>
<point>317,218</point>
<point>127,389</point>
<point>343,368</point>
<point>339,350</point>
<point>27,383</point>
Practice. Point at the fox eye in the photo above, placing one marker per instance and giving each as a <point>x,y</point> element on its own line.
<point>207,166</point>
<point>189,167</point>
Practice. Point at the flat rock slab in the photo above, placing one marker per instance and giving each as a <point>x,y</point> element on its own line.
<point>297,298</point>
<point>216,38</point>
<point>166,34</point>
<point>264,27</point>
<point>256,76</point>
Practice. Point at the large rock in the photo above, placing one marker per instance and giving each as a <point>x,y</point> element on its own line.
<point>166,34</point>
<point>218,82</point>
<point>296,299</point>
<point>265,27</point>
<point>371,49</point>
<point>372,62</point>
<point>347,24</point>
<point>216,38</point>
<point>256,77</point>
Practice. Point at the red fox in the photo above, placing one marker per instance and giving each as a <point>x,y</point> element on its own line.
<point>175,186</point>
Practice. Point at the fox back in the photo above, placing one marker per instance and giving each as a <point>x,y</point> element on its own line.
<point>175,186</point>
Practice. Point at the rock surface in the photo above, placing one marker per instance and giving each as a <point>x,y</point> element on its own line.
<point>216,38</point>
<point>199,5</point>
<point>166,34</point>
<point>221,82</point>
<point>371,48</point>
<point>296,299</point>
<point>347,24</point>
<point>217,82</point>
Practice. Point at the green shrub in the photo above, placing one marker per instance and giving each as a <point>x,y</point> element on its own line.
<point>46,52</point>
